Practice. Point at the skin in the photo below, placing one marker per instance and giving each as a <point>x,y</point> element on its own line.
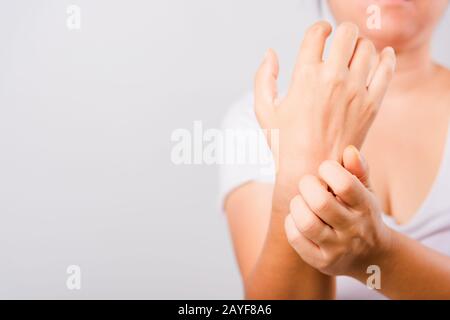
<point>291,238</point>
<point>341,233</point>
<point>334,95</point>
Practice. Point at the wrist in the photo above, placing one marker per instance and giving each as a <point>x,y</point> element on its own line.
<point>290,169</point>
<point>304,162</point>
<point>290,172</point>
<point>286,185</point>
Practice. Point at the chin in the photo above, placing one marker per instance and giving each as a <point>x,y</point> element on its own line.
<point>404,24</point>
<point>393,33</point>
<point>398,42</point>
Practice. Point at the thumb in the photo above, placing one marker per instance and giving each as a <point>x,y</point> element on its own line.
<point>265,90</point>
<point>355,163</point>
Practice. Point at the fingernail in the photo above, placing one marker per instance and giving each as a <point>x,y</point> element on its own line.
<point>390,49</point>
<point>358,153</point>
<point>354,149</point>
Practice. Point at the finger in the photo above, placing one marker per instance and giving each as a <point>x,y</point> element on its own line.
<point>382,76</point>
<point>343,184</point>
<point>313,44</point>
<point>323,203</point>
<point>355,163</point>
<point>363,61</point>
<point>343,45</point>
<point>308,223</point>
<point>373,69</point>
<point>265,89</point>
<point>307,250</point>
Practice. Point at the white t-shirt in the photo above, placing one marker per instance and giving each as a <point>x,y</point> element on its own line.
<point>430,225</point>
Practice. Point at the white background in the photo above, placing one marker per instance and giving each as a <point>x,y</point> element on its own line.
<point>85,124</point>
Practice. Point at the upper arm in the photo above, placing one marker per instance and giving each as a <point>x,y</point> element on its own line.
<point>247,203</point>
<point>248,210</point>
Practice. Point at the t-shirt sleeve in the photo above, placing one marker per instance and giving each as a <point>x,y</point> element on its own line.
<point>251,158</point>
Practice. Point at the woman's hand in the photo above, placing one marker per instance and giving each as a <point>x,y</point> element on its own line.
<point>338,232</point>
<point>330,104</point>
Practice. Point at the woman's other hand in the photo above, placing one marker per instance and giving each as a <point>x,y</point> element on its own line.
<point>338,230</point>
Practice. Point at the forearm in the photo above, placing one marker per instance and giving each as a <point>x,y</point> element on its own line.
<point>279,272</point>
<point>409,270</point>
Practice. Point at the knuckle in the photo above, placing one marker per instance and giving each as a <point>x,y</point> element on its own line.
<point>314,30</point>
<point>370,104</point>
<point>355,89</point>
<point>388,71</point>
<point>345,186</point>
<point>326,165</point>
<point>306,72</point>
<point>324,263</point>
<point>331,257</point>
<point>349,29</point>
<point>354,233</point>
<point>370,108</point>
<point>318,29</point>
<point>334,78</point>
<point>389,56</point>
<point>292,240</point>
<point>322,204</point>
<point>367,46</point>
<point>371,111</point>
<point>308,226</point>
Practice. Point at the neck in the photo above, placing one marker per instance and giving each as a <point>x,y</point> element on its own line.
<point>412,65</point>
